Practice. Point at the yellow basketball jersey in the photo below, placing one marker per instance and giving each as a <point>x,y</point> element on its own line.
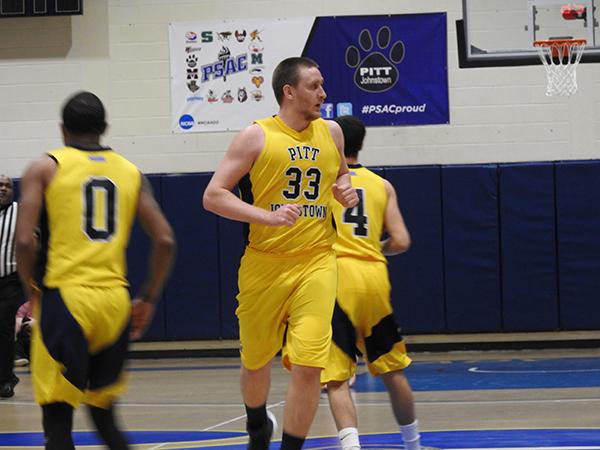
<point>293,167</point>
<point>360,228</point>
<point>90,206</point>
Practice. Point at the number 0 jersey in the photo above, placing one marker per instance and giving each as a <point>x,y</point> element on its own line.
<point>360,228</point>
<point>296,167</point>
<point>90,205</point>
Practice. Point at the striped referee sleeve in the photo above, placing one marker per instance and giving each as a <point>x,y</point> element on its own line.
<point>8,221</point>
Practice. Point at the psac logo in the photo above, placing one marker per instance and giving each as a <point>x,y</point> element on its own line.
<point>186,122</point>
<point>224,67</point>
<point>375,71</point>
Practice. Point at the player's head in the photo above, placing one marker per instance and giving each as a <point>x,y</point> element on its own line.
<point>289,73</point>
<point>83,115</point>
<point>354,134</point>
<point>6,191</point>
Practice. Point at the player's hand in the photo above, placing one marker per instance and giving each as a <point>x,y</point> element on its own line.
<point>286,215</point>
<point>345,194</point>
<point>141,315</point>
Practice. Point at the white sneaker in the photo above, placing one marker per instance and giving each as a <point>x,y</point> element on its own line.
<point>273,420</point>
<point>21,361</point>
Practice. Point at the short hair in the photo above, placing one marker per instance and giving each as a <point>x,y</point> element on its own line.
<point>354,134</point>
<point>83,113</point>
<point>286,72</point>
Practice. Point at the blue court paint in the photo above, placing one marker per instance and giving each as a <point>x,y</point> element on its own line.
<point>510,374</point>
<point>134,437</point>
<point>471,439</point>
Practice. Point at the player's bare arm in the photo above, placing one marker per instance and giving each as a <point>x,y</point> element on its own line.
<point>343,191</point>
<point>161,258</point>
<point>33,184</point>
<point>237,162</point>
<point>399,237</point>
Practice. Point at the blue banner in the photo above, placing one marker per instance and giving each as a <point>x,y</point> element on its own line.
<point>387,70</point>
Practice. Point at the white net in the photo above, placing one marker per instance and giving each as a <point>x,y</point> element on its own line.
<point>560,59</point>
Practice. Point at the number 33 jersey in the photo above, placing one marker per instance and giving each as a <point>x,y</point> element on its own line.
<point>360,228</point>
<point>294,167</point>
<point>90,206</point>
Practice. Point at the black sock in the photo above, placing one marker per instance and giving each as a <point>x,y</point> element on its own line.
<point>57,419</point>
<point>108,430</point>
<point>257,417</point>
<point>289,442</point>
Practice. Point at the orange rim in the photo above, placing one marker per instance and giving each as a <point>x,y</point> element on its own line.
<point>559,42</point>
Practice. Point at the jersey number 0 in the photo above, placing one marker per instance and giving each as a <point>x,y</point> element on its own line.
<point>100,225</point>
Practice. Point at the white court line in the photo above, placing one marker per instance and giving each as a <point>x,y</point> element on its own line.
<point>227,422</point>
<point>326,404</point>
<point>509,371</point>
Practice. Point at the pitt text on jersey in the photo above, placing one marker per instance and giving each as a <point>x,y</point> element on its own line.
<point>305,152</point>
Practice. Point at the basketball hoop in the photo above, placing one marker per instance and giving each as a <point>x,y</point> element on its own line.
<point>560,58</point>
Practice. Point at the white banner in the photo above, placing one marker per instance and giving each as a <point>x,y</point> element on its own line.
<point>221,70</point>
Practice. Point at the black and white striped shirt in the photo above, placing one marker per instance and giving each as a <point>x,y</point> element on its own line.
<point>8,221</point>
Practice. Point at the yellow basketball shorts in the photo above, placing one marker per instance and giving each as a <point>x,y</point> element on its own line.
<point>287,298</point>
<point>79,345</point>
<point>363,321</point>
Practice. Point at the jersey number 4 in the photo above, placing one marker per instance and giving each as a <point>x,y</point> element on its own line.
<point>99,208</point>
<point>358,216</point>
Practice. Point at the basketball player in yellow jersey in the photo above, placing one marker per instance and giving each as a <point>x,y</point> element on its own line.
<point>89,196</point>
<point>289,167</point>
<point>363,313</point>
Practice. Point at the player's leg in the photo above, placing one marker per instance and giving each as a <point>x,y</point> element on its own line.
<point>341,367</point>
<point>308,343</point>
<point>105,422</point>
<point>386,353</point>
<point>255,386</point>
<point>108,342</point>
<point>57,419</point>
<point>344,414</point>
<point>59,365</point>
<point>403,406</point>
<point>261,315</point>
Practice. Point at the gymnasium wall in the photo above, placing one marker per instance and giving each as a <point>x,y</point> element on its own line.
<point>496,248</point>
<point>501,242</point>
<point>119,49</point>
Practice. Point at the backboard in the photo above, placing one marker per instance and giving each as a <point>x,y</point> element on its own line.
<point>502,32</point>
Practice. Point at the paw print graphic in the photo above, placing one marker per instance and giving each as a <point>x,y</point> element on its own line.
<point>191,60</point>
<point>376,71</point>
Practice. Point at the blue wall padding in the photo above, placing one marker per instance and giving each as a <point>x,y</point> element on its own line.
<point>528,247</point>
<point>471,248</point>
<point>192,294</point>
<point>137,265</point>
<point>578,224</point>
<point>417,276</point>
<point>231,247</point>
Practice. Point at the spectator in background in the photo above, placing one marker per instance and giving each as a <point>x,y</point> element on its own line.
<point>23,324</point>
<point>11,291</point>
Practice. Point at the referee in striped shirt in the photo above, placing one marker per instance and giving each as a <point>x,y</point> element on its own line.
<point>11,291</point>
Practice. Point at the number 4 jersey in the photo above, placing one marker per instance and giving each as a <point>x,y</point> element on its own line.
<point>360,228</point>
<point>90,205</point>
<point>296,167</point>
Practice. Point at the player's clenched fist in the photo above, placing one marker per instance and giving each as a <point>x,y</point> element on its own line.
<point>286,215</point>
<point>345,194</point>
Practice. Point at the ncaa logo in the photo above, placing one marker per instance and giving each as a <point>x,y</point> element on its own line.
<point>186,121</point>
<point>190,36</point>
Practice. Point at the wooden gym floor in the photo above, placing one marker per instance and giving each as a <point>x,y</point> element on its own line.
<point>528,399</point>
